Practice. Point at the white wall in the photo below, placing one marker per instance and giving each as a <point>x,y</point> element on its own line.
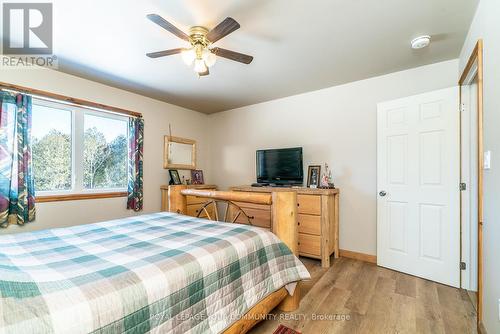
<point>336,125</point>
<point>157,116</point>
<point>486,25</point>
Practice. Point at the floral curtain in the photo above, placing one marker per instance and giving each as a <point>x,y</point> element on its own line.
<point>17,190</point>
<point>136,141</point>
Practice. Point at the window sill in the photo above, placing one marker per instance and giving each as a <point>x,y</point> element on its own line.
<point>76,197</point>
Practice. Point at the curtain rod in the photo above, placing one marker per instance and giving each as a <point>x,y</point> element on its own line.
<point>67,100</point>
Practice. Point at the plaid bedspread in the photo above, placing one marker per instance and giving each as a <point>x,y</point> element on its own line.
<point>163,273</point>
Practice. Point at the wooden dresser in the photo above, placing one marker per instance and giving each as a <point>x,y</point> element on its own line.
<point>194,204</point>
<point>318,219</point>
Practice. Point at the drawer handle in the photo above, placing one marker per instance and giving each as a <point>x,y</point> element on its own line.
<point>298,223</point>
<point>251,217</point>
<point>298,204</point>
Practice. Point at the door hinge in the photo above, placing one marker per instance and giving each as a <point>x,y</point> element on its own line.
<point>463,266</point>
<point>463,186</point>
<point>462,107</point>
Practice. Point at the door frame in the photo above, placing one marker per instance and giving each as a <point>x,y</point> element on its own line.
<point>475,63</point>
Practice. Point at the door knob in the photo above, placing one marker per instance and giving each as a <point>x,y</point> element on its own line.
<point>382,193</point>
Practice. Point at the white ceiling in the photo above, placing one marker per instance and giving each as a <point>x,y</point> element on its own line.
<point>298,45</point>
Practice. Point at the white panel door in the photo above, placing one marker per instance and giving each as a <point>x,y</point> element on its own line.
<point>418,203</point>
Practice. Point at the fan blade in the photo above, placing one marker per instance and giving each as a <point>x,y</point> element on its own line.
<point>222,29</point>
<point>236,56</point>
<point>164,53</point>
<point>168,26</point>
<point>202,74</point>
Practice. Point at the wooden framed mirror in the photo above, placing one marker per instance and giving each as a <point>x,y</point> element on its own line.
<point>179,153</point>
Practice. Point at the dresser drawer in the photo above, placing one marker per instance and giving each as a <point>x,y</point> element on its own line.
<point>193,209</point>
<point>309,244</point>
<point>253,206</point>
<point>198,200</point>
<point>309,224</point>
<point>309,204</point>
<point>260,218</point>
<point>195,200</point>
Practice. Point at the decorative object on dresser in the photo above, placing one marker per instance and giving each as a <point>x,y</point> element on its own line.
<point>179,153</point>
<point>326,179</point>
<point>318,219</point>
<point>313,176</point>
<point>194,204</point>
<point>174,176</point>
<point>197,176</point>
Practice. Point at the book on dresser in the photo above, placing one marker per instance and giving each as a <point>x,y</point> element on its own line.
<point>317,217</point>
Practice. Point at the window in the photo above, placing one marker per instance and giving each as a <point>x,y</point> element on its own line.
<point>76,150</point>
<point>51,148</point>
<point>105,153</point>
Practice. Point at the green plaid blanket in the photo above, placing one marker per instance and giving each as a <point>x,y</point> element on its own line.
<point>162,273</point>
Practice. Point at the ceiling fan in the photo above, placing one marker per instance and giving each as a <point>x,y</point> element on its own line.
<point>200,53</point>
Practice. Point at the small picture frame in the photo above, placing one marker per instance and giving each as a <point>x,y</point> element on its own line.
<point>313,176</point>
<point>197,176</point>
<point>174,176</point>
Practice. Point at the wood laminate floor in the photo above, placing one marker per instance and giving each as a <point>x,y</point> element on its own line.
<point>375,300</point>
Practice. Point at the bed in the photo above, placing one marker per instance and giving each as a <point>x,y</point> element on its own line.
<point>161,273</point>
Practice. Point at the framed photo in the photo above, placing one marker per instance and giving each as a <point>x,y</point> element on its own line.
<point>313,176</point>
<point>174,176</point>
<point>197,176</point>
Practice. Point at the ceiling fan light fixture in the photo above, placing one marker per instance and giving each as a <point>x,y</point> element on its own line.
<point>200,39</point>
<point>209,58</point>
<point>200,66</point>
<point>188,56</point>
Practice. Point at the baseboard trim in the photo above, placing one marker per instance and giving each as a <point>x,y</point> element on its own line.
<point>358,256</point>
<point>481,329</point>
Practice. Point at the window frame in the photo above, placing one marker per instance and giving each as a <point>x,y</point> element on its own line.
<point>78,190</point>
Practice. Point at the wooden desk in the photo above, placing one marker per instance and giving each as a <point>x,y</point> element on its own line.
<point>318,219</point>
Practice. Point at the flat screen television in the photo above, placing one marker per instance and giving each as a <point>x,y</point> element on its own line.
<point>280,166</point>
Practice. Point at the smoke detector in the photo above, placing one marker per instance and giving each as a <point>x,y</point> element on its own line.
<point>420,42</point>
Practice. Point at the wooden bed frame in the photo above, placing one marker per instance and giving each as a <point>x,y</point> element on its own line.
<point>285,226</point>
